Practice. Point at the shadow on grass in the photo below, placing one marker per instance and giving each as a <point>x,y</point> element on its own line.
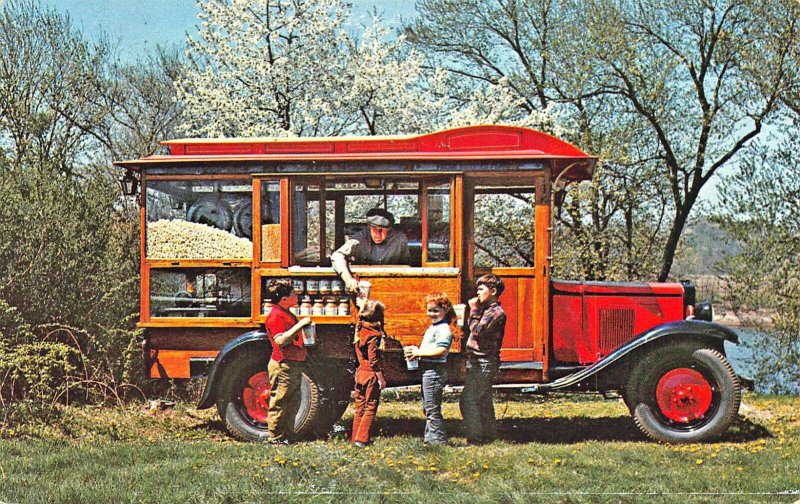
<point>562,430</point>
<point>557,430</point>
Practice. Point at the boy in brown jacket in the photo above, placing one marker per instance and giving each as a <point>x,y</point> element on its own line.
<point>369,375</point>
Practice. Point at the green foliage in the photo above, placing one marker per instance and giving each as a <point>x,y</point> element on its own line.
<point>69,274</point>
<point>760,208</point>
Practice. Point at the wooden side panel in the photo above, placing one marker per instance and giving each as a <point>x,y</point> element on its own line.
<point>517,302</point>
<point>541,286</point>
<point>144,271</point>
<point>174,363</point>
<point>405,304</point>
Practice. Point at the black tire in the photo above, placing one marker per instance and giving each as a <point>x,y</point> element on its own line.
<point>335,385</point>
<point>212,211</point>
<point>243,220</point>
<point>231,407</point>
<point>683,393</point>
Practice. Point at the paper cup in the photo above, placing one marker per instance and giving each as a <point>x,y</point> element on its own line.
<point>461,311</point>
<point>363,289</point>
<point>310,335</point>
<point>412,364</point>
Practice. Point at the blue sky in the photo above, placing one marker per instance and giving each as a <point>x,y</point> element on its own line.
<point>137,26</point>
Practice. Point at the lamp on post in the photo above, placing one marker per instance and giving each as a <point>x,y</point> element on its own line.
<point>129,183</point>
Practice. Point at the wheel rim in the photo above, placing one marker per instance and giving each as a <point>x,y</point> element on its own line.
<point>255,397</point>
<point>684,396</point>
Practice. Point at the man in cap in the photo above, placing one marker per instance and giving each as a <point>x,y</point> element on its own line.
<point>378,244</point>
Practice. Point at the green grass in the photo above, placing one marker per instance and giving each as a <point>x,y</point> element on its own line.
<point>553,449</point>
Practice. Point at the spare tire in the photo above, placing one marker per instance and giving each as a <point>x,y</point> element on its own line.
<point>212,211</point>
<point>243,220</point>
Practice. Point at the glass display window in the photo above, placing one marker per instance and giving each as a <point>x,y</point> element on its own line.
<point>503,226</point>
<point>326,214</point>
<point>200,292</point>
<point>270,221</point>
<point>438,211</point>
<point>199,219</point>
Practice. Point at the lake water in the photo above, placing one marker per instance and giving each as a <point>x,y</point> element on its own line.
<point>741,358</point>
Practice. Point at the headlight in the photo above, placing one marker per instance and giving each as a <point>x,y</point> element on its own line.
<point>704,311</point>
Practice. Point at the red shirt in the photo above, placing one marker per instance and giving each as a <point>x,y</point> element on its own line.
<point>278,321</point>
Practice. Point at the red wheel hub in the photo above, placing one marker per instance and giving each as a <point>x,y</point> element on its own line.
<point>683,395</point>
<point>255,397</point>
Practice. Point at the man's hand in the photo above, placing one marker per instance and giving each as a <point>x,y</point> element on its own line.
<point>351,285</point>
<point>473,305</point>
<point>410,352</point>
<point>304,322</point>
<point>381,381</point>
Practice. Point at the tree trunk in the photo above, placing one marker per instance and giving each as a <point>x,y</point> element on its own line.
<point>675,233</point>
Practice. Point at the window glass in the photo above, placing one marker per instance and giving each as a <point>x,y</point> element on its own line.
<point>438,223</point>
<point>346,205</point>
<point>270,221</point>
<point>503,227</point>
<point>306,223</point>
<point>193,219</point>
<point>200,292</point>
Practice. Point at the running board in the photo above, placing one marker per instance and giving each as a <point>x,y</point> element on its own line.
<point>523,366</point>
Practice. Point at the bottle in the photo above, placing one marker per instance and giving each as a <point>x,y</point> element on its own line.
<point>331,309</point>
<point>318,308</point>
<point>312,287</point>
<point>324,287</point>
<point>337,286</point>
<point>305,306</point>
<point>299,286</point>
<point>344,306</point>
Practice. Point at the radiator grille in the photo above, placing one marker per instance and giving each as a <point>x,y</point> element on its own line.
<point>616,327</point>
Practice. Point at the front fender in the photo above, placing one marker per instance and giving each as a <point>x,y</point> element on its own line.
<point>694,329</point>
<point>256,338</point>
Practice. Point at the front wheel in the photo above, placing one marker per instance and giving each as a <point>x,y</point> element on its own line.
<point>683,393</point>
<point>243,399</point>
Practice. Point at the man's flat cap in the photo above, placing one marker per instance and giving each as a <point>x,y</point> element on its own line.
<point>380,217</point>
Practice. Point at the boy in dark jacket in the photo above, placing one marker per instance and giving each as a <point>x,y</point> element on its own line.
<point>487,326</point>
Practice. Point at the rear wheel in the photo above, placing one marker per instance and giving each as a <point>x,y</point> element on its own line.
<point>335,385</point>
<point>683,393</point>
<point>243,399</point>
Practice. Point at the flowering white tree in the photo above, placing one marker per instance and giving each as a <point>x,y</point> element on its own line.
<point>290,68</point>
<point>270,67</point>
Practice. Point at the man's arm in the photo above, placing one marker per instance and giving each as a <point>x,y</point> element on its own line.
<point>341,265</point>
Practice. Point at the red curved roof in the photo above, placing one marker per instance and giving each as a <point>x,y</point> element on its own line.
<point>466,143</point>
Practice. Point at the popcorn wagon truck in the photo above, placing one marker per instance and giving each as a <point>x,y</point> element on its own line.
<point>221,217</point>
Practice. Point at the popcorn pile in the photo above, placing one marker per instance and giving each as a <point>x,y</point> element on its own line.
<point>180,239</point>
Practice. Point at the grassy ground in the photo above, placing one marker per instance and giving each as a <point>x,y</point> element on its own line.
<point>553,449</point>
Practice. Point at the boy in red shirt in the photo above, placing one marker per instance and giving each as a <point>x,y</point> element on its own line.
<point>287,362</point>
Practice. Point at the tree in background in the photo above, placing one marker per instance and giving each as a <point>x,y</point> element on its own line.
<point>68,242</point>
<point>705,77</point>
<point>290,68</point>
<point>760,209</point>
<point>532,51</point>
<point>665,92</point>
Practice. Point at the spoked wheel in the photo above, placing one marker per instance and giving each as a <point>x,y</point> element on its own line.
<point>683,393</point>
<point>243,400</point>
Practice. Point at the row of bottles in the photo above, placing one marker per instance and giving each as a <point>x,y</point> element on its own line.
<point>313,287</point>
<point>328,306</point>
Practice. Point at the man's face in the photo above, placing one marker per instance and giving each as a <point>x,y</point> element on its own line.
<point>378,233</point>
